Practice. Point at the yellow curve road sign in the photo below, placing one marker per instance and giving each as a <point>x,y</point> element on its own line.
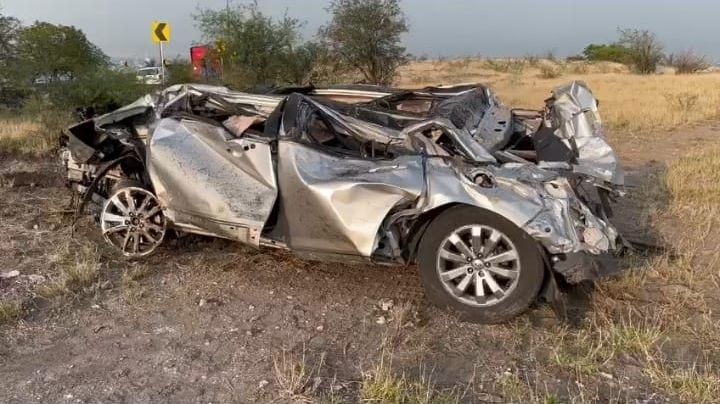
<point>161,32</point>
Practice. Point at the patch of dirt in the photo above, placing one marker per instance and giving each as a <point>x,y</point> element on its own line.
<point>202,320</point>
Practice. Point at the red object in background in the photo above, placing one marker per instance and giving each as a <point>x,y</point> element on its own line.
<point>205,62</point>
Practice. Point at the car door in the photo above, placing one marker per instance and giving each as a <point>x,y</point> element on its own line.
<point>210,182</point>
<point>334,198</point>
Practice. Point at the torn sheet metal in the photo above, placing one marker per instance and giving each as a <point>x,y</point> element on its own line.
<point>577,119</point>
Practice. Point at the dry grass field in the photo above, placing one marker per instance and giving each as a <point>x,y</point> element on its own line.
<point>264,327</point>
<point>26,136</point>
<point>631,104</point>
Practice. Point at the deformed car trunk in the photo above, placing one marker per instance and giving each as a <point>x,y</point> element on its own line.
<point>485,198</point>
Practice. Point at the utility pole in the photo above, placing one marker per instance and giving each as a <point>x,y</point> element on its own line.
<point>162,65</point>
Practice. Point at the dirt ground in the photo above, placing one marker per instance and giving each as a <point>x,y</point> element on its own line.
<point>208,320</point>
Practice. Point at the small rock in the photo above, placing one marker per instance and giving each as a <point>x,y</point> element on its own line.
<point>95,306</point>
<point>10,275</point>
<point>202,302</point>
<point>263,383</point>
<point>320,328</point>
<point>381,320</point>
<point>35,227</point>
<point>606,375</point>
<point>386,304</point>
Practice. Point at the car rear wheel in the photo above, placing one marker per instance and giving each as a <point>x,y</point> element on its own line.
<point>480,265</point>
<point>133,222</point>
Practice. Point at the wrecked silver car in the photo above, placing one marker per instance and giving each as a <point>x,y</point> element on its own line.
<point>493,204</point>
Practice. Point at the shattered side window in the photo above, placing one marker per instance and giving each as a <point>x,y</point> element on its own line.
<point>321,132</point>
<point>465,111</point>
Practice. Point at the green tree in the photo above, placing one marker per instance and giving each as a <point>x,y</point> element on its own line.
<point>8,37</point>
<point>365,35</point>
<point>57,52</point>
<point>259,50</point>
<point>607,52</point>
<point>11,93</point>
<point>59,67</point>
<point>646,52</point>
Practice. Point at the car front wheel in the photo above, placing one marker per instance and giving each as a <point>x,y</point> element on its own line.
<point>479,264</point>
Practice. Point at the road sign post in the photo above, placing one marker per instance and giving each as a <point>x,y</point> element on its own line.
<point>160,34</point>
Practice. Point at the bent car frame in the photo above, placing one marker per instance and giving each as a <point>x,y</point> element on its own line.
<point>493,204</point>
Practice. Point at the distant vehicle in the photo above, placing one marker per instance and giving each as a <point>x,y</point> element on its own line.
<point>206,62</point>
<point>149,75</point>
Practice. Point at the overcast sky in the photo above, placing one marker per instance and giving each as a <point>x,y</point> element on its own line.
<point>437,28</point>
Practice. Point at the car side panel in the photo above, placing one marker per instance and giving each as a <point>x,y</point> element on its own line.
<point>336,204</point>
<point>211,183</point>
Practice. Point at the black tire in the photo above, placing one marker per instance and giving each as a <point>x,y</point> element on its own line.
<point>529,279</point>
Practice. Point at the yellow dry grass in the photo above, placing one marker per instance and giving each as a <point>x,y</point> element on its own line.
<point>703,167</point>
<point>16,128</point>
<point>24,136</point>
<point>665,300</point>
<point>630,103</point>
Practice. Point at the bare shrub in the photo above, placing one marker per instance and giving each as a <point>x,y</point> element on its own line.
<point>682,104</point>
<point>548,71</point>
<point>532,60</point>
<point>687,62</point>
<point>580,67</point>
<point>645,51</point>
<point>550,55</point>
<point>505,66</point>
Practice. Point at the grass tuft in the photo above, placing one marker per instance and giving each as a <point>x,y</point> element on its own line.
<point>296,379</point>
<point>382,385</point>
<point>10,312</point>
<point>689,384</point>
<point>78,271</point>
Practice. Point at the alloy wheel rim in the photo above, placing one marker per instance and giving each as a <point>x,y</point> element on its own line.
<point>132,221</point>
<point>478,265</point>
